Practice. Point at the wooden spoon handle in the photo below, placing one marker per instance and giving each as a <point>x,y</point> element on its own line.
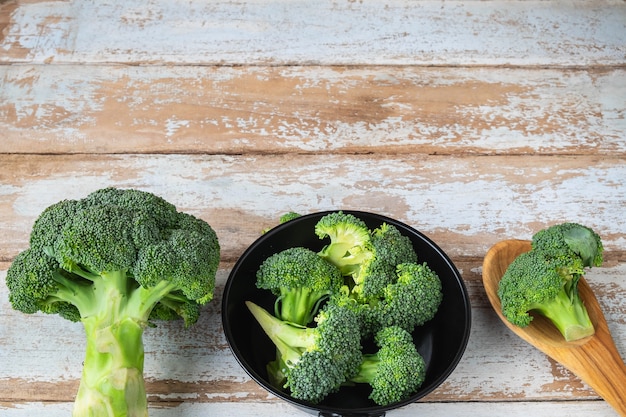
<point>596,359</point>
<point>604,371</point>
<point>598,362</point>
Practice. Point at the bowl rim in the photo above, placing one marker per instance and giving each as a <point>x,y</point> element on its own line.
<point>322,409</point>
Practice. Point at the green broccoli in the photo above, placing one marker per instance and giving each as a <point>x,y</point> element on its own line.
<point>385,295</point>
<point>314,361</point>
<point>301,280</point>
<point>284,218</point>
<point>367,257</point>
<point>115,260</point>
<point>381,272</point>
<point>545,279</point>
<point>350,241</point>
<point>410,301</point>
<point>396,370</point>
<point>389,248</point>
<point>291,215</point>
<point>574,246</point>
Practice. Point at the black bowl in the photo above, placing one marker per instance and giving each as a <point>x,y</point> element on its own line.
<point>441,341</point>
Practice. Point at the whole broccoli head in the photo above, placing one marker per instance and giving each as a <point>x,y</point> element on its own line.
<point>314,361</point>
<point>300,279</point>
<point>396,370</point>
<point>115,260</point>
<point>545,279</point>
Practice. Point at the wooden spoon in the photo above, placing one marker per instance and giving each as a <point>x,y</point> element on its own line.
<point>594,359</point>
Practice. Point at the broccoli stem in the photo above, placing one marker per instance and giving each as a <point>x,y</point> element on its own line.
<point>112,383</point>
<point>275,328</point>
<point>290,340</point>
<point>299,305</point>
<point>569,315</point>
<point>367,369</point>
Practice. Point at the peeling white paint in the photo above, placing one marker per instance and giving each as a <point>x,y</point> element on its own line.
<point>518,109</point>
<point>463,196</point>
<point>173,125</point>
<point>279,408</point>
<point>395,32</point>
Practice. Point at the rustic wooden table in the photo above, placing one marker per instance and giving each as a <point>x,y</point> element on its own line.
<point>471,121</point>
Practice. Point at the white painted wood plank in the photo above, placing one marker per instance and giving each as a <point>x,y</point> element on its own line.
<point>464,203</point>
<point>398,32</point>
<point>93,109</point>
<point>279,409</point>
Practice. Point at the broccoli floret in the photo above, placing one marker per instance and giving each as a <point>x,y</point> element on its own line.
<point>389,248</point>
<point>392,245</point>
<point>396,370</point>
<point>300,279</point>
<point>412,300</point>
<point>314,361</point>
<point>573,245</point>
<point>350,241</point>
<point>545,280</point>
<point>291,215</point>
<point>115,260</point>
<point>288,216</point>
<point>536,283</point>
<point>381,272</point>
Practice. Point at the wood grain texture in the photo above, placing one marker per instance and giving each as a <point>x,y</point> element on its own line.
<point>465,203</point>
<point>281,32</point>
<point>103,109</point>
<point>273,408</point>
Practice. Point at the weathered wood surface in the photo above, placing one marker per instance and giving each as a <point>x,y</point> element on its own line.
<point>472,121</point>
<point>272,408</point>
<point>104,109</point>
<point>450,33</point>
<point>465,203</point>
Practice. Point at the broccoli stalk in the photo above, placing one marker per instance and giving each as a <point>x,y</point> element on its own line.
<point>568,313</point>
<point>115,261</point>
<point>112,370</point>
<point>545,279</point>
<point>112,376</point>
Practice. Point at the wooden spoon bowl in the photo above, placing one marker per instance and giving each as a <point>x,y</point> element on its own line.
<point>594,359</point>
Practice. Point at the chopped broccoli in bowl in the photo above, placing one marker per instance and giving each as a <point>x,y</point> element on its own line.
<point>439,336</point>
